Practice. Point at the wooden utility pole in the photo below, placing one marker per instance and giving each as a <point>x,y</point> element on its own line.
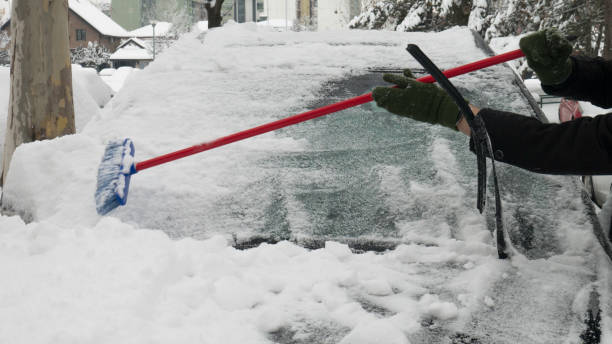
<point>213,12</point>
<point>40,105</point>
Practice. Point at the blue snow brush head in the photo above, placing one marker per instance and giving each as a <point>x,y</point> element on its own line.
<point>114,174</point>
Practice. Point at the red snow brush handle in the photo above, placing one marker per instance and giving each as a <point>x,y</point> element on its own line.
<point>326,110</point>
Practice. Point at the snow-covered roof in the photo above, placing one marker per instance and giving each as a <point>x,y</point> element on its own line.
<point>100,21</point>
<point>92,15</point>
<point>136,41</point>
<point>161,30</point>
<point>131,52</point>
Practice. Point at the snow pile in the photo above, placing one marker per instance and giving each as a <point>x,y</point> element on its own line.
<point>90,94</point>
<point>113,283</point>
<point>116,78</point>
<point>89,80</point>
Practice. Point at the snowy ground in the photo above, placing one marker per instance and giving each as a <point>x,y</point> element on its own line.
<point>162,269</point>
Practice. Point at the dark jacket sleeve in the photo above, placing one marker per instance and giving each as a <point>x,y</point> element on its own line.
<point>590,81</point>
<point>580,147</point>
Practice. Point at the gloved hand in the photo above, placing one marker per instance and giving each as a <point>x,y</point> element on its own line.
<point>422,102</point>
<point>547,53</point>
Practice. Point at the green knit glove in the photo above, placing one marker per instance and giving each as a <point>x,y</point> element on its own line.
<point>548,54</point>
<point>419,101</point>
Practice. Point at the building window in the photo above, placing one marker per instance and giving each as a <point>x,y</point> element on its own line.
<point>80,35</point>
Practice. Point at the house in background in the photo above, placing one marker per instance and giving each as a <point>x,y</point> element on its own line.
<point>87,24</point>
<point>132,53</point>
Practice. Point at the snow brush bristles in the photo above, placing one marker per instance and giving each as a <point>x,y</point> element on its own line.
<point>114,174</point>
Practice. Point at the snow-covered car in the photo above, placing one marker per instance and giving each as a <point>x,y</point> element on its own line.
<point>361,226</point>
<point>115,78</point>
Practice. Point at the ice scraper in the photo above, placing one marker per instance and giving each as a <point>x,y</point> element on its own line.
<point>118,164</point>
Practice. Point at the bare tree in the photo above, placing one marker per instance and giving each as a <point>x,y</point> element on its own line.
<point>213,12</point>
<point>40,105</point>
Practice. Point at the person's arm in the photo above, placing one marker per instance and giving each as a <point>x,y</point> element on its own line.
<point>579,147</point>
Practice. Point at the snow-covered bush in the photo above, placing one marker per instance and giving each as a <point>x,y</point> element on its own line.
<point>93,55</point>
<point>582,19</point>
<point>412,15</point>
<point>492,19</point>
